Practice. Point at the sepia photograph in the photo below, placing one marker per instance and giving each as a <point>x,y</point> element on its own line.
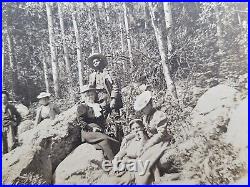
<point>124,93</point>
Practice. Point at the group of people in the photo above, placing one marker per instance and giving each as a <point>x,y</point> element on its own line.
<point>148,137</point>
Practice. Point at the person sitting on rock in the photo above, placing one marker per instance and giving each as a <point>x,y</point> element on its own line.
<point>47,110</point>
<point>11,120</point>
<point>92,121</point>
<point>155,122</point>
<point>108,92</point>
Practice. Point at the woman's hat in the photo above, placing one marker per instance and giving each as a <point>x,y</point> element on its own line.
<point>142,100</point>
<point>86,88</point>
<point>138,121</point>
<point>43,95</point>
<point>100,56</point>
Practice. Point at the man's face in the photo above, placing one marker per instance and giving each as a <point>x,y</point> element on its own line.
<point>4,99</point>
<point>44,101</point>
<point>96,62</point>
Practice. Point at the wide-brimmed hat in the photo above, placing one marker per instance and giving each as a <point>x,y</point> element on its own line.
<point>43,95</point>
<point>100,56</point>
<point>86,88</point>
<point>138,121</point>
<point>142,100</point>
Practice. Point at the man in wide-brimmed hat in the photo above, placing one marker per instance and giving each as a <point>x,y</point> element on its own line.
<point>107,90</point>
<point>47,110</point>
<point>11,120</point>
<point>92,120</point>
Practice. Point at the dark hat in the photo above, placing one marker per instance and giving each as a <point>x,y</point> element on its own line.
<point>86,88</point>
<point>5,92</point>
<point>100,56</point>
<point>138,121</point>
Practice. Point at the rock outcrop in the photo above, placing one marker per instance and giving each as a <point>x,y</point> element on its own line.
<point>53,139</point>
<point>82,166</point>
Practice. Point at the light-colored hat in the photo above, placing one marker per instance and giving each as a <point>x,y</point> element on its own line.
<point>43,95</point>
<point>86,88</point>
<point>138,121</point>
<point>142,100</point>
<point>102,58</point>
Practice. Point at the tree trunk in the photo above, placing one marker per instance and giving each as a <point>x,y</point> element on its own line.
<point>96,17</point>
<point>169,25</point>
<point>3,55</point>
<point>45,70</point>
<point>128,37</point>
<point>162,50</point>
<point>52,50</point>
<point>78,47</point>
<point>219,31</point>
<point>106,8</point>
<point>65,49</point>
<point>91,32</point>
<point>12,61</point>
<point>121,35</point>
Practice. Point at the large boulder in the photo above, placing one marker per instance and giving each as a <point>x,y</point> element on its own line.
<point>63,132</point>
<point>25,126</point>
<point>23,110</point>
<point>213,108</point>
<point>61,136</point>
<point>237,131</point>
<point>82,166</point>
<point>28,165</point>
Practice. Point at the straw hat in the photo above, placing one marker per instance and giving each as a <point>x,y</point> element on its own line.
<point>86,88</point>
<point>142,100</point>
<point>100,56</point>
<point>43,95</point>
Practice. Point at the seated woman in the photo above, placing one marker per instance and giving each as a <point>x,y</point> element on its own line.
<point>47,110</point>
<point>130,153</point>
<point>156,125</point>
<point>92,121</point>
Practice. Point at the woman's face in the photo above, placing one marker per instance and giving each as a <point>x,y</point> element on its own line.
<point>89,96</point>
<point>96,62</point>
<point>4,99</point>
<point>44,101</point>
<point>137,130</point>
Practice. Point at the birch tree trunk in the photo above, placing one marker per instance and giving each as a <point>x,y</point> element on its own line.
<point>158,28</point>
<point>78,47</point>
<point>52,50</point>
<point>3,55</point>
<point>91,32</point>
<point>169,25</point>
<point>96,17</point>
<point>128,36</point>
<point>106,8</point>
<point>121,35</point>
<point>65,49</point>
<point>12,61</point>
<point>218,30</point>
<point>45,70</point>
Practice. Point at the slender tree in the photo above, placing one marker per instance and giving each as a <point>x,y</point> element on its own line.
<point>169,25</point>
<point>128,36</point>
<point>12,61</point>
<point>45,70</point>
<point>53,50</point>
<point>65,49</point>
<point>97,27</point>
<point>78,47</point>
<point>159,33</point>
